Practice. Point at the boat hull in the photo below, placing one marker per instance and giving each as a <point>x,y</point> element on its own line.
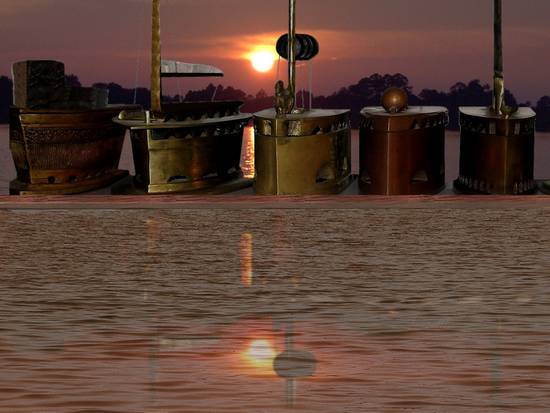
<point>302,154</point>
<point>64,151</point>
<point>195,149</point>
<point>496,152</point>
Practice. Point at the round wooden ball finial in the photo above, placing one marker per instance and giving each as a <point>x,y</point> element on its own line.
<point>395,100</point>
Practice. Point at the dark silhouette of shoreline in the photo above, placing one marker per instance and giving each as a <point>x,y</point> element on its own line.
<point>366,92</point>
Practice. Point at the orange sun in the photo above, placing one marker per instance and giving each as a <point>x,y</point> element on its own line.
<point>262,59</point>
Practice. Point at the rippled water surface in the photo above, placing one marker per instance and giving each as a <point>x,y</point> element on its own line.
<point>319,310</point>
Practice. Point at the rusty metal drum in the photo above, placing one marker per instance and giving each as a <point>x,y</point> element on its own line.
<point>402,153</point>
<point>496,152</point>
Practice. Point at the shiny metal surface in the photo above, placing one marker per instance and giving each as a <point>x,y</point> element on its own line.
<point>292,52</point>
<point>497,153</point>
<point>184,147</point>
<point>402,152</point>
<point>65,151</point>
<point>395,100</point>
<point>499,107</point>
<point>172,68</point>
<point>306,46</point>
<point>187,155</point>
<point>302,154</point>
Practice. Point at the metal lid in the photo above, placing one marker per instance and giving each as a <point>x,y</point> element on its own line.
<point>483,120</point>
<point>522,113</point>
<point>311,122</point>
<point>415,117</point>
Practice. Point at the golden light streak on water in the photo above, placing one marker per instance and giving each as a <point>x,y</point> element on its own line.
<point>246,254</point>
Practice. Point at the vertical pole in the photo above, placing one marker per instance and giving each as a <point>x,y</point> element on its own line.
<point>310,65</point>
<point>155,60</point>
<point>291,49</point>
<point>498,39</point>
<point>498,89</point>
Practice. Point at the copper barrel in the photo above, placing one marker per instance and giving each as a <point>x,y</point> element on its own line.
<point>65,151</point>
<point>496,151</point>
<point>402,153</point>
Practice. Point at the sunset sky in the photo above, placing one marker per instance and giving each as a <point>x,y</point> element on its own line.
<point>434,42</point>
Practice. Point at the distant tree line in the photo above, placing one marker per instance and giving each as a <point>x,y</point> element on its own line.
<point>366,92</point>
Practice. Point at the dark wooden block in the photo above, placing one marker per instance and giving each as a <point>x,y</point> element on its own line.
<point>38,84</point>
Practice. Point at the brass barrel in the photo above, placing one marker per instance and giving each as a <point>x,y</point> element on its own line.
<point>302,154</point>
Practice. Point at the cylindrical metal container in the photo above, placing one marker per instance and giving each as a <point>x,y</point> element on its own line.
<point>194,148</point>
<point>304,153</point>
<point>402,153</point>
<point>58,151</point>
<point>496,152</point>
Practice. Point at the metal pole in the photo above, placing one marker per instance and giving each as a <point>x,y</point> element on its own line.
<point>498,39</point>
<point>291,50</point>
<point>155,60</point>
<point>498,89</point>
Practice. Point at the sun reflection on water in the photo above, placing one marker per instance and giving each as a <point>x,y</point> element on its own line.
<point>246,252</point>
<point>260,353</point>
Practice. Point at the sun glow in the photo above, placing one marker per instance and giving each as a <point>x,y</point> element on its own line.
<point>262,59</point>
<point>260,353</point>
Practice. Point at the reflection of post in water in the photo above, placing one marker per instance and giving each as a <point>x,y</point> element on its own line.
<point>293,364</point>
<point>246,256</point>
<point>152,245</point>
<point>496,365</point>
<point>152,242</point>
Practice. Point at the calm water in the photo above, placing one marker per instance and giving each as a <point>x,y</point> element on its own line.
<point>270,311</point>
<point>185,311</point>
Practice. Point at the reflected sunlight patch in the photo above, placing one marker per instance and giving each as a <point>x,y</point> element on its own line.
<point>260,354</point>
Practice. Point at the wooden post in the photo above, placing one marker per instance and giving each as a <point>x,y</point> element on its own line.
<point>498,79</point>
<point>155,60</point>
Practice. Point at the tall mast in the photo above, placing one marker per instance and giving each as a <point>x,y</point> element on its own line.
<point>498,39</point>
<point>155,60</point>
<point>291,50</point>
<point>498,90</point>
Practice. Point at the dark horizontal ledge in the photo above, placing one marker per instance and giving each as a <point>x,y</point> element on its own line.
<point>110,202</point>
